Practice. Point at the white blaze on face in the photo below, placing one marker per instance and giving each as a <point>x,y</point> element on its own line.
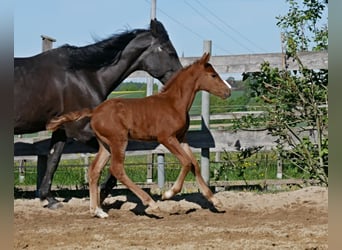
<point>230,87</point>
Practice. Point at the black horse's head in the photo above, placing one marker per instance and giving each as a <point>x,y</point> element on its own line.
<point>148,50</point>
<point>160,59</point>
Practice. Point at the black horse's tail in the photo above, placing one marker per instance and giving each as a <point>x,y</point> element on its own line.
<point>56,122</point>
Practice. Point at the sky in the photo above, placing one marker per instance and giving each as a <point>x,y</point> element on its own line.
<point>233,26</point>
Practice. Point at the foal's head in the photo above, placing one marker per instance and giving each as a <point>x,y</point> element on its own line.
<point>209,80</point>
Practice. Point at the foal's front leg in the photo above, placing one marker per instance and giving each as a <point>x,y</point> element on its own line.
<point>175,148</point>
<point>203,186</point>
<point>189,162</point>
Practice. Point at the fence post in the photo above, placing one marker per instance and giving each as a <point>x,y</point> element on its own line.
<point>218,156</point>
<point>161,170</point>
<point>86,167</point>
<point>149,157</point>
<point>205,154</point>
<point>22,170</point>
<point>153,9</point>
<point>279,167</point>
<point>149,86</point>
<point>160,157</point>
<point>149,175</point>
<point>47,42</point>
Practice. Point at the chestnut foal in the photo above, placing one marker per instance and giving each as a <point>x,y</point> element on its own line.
<point>162,117</point>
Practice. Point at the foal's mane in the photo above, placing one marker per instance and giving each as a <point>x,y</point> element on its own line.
<point>168,84</point>
<point>101,53</point>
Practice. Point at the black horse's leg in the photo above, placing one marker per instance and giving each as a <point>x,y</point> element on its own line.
<point>107,186</point>
<point>55,152</point>
<point>110,182</point>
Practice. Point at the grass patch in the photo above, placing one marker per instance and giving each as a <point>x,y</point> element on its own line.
<point>74,173</point>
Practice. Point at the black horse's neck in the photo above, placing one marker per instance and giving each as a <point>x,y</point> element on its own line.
<point>112,60</point>
<point>131,59</point>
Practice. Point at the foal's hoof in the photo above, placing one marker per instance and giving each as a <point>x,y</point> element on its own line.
<point>99,213</point>
<point>154,210</point>
<point>218,205</point>
<point>168,195</point>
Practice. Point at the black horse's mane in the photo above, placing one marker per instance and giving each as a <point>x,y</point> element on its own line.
<point>100,54</point>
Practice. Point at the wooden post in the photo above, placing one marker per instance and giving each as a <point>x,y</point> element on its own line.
<point>279,167</point>
<point>149,91</point>
<point>153,9</point>
<point>47,42</point>
<point>149,86</point>
<point>205,154</point>
<point>218,156</point>
<point>86,167</point>
<point>149,175</point>
<point>22,170</point>
<point>161,170</point>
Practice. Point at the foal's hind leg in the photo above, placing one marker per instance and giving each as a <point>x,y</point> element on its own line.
<point>117,169</point>
<point>94,173</point>
<point>110,182</point>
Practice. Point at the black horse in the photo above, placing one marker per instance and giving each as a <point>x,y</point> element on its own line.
<point>71,78</point>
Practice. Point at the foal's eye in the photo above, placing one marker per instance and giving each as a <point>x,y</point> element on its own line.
<point>213,75</point>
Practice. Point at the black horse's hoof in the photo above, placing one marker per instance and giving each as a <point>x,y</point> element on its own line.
<point>53,204</point>
<point>103,195</point>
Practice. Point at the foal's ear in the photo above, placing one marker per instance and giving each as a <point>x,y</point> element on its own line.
<point>205,58</point>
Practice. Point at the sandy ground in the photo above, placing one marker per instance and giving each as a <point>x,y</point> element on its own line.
<point>283,220</point>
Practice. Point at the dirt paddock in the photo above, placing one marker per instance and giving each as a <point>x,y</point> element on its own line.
<point>283,220</point>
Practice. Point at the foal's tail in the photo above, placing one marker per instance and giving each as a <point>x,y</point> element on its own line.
<point>56,122</point>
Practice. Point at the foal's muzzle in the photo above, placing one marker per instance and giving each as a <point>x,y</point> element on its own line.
<point>228,93</point>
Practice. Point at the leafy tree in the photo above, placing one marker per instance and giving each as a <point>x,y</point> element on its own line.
<point>301,26</point>
<point>296,101</point>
